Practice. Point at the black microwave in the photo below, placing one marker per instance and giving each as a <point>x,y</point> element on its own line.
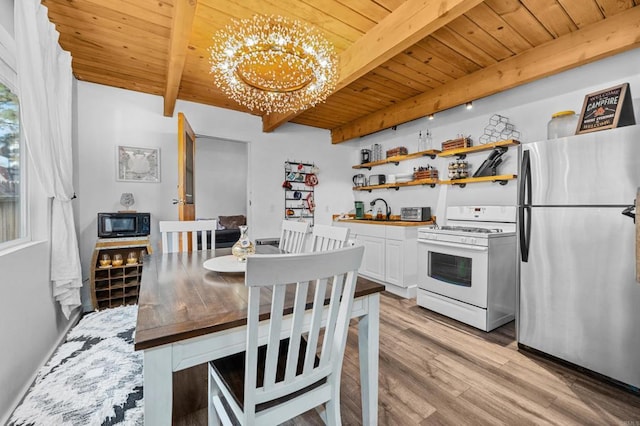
<point>123,224</point>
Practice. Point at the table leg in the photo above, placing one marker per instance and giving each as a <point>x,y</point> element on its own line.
<point>158,386</point>
<point>368,342</point>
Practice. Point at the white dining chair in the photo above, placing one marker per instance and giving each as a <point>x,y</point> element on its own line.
<point>326,237</point>
<point>294,358</point>
<point>187,235</point>
<point>293,236</point>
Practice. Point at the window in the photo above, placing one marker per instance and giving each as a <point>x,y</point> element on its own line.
<point>11,200</point>
<point>13,223</point>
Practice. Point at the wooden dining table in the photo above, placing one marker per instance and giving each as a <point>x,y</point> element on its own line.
<point>189,315</point>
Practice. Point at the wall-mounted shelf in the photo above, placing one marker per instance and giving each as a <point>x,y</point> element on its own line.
<point>459,152</point>
<point>462,152</point>
<point>430,182</point>
<point>501,179</point>
<point>396,159</point>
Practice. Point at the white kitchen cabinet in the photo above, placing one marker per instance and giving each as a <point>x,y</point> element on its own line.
<point>373,260</point>
<point>389,256</point>
<point>393,268</point>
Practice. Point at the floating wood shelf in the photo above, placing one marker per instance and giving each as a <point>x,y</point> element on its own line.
<point>502,179</point>
<point>398,185</point>
<point>459,152</point>
<point>478,148</point>
<point>396,159</point>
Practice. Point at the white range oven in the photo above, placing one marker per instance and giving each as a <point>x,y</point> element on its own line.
<point>467,268</point>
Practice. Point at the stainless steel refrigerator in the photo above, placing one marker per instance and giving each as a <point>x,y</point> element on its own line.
<point>578,297</point>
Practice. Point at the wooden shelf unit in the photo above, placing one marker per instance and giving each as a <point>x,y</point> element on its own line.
<point>462,182</point>
<point>397,185</point>
<point>460,152</point>
<point>396,159</point>
<point>117,285</point>
<point>478,148</point>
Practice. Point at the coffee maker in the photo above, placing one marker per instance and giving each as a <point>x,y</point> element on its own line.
<point>359,209</point>
<point>365,156</point>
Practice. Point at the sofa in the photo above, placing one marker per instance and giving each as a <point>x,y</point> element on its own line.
<point>228,231</point>
<point>227,237</point>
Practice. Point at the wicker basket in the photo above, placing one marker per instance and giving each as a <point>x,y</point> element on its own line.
<point>456,143</point>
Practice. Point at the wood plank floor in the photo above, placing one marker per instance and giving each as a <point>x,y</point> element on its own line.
<point>437,371</point>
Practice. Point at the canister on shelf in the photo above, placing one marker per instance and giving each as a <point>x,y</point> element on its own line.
<point>562,124</point>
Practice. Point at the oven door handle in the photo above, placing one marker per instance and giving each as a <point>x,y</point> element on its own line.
<point>454,245</point>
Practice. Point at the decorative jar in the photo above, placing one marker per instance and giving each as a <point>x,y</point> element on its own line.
<point>243,247</point>
<point>563,123</point>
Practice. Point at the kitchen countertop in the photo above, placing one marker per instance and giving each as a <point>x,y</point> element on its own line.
<point>385,222</point>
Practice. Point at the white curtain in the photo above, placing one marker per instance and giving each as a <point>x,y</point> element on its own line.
<point>45,92</point>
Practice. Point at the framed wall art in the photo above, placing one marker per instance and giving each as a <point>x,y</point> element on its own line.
<point>137,164</point>
<point>606,109</point>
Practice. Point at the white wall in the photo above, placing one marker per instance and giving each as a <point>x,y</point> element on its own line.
<point>108,117</point>
<point>30,318</point>
<point>221,177</point>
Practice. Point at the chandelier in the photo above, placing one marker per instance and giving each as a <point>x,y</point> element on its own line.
<point>273,64</point>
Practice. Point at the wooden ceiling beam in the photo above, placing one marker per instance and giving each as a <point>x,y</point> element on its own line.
<point>405,26</point>
<point>179,43</point>
<point>596,41</point>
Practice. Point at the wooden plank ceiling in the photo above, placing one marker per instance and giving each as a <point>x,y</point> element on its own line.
<point>399,59</point>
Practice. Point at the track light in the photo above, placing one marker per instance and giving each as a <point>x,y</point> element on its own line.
<point>469,105</point>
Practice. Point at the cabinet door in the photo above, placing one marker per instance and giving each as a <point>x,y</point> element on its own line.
<point>394,268</point>
<point>373,260</point>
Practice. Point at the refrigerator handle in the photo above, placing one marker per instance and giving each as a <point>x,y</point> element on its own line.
<point>524,207</point>
<point>627,212</point>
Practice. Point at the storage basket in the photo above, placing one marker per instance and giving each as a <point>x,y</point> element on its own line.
<point>456,143</point>
<point>401,150</point>
<point>426,174</point>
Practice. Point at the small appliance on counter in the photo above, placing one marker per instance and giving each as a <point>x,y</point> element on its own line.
<point>415,214</point>
<point>123,224</point>
<point>365,156</point>
<point>359,180</point>
<point>377,180</point>
<point>359,209</point>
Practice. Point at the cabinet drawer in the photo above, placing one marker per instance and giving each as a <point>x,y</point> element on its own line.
<point>401,232</point>
<point>366,230</point>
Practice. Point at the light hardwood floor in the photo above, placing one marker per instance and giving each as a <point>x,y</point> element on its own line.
<point>434,370</point>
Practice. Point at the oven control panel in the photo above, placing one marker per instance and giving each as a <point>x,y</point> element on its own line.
<point>428,236</point>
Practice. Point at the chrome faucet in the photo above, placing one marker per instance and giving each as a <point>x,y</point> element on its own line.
<point>386,207</point>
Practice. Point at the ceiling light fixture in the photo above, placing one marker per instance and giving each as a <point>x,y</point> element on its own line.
<point>273,64</point>
<point>469,105</point>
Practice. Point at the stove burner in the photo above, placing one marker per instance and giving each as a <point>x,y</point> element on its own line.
<point>471,229</point>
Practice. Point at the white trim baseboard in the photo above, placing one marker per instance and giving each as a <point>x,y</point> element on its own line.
<point>75,318</point>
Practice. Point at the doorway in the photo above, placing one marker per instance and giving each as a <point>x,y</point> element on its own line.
<point>222,177</point>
